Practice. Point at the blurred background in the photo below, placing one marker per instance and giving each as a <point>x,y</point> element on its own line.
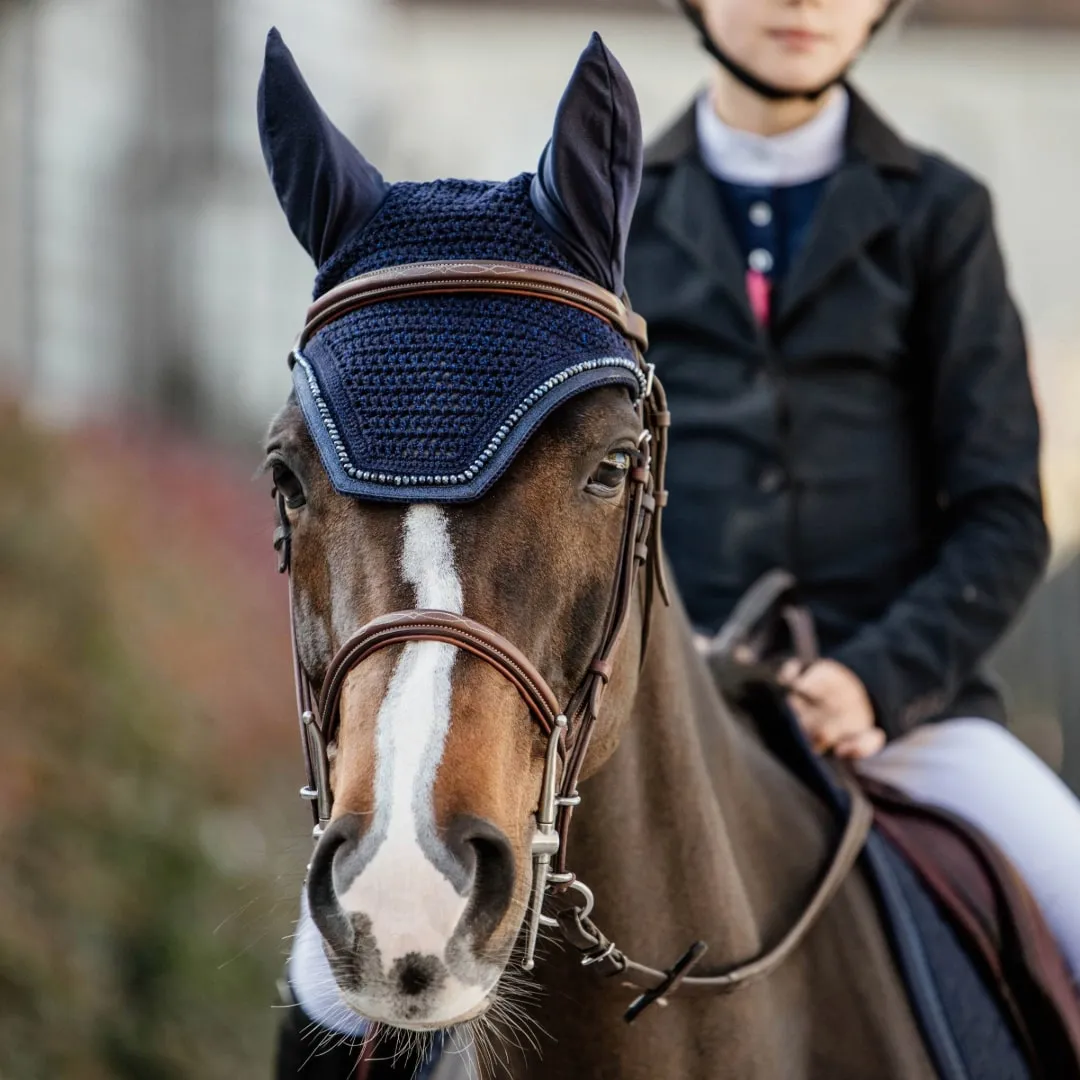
<point>151,845</point>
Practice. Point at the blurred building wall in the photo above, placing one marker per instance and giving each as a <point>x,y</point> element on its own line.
<point>149,262</point>
<point>15,107</point>
<point>78,100</point>
<point>150,266</point>
<point>147,269</point>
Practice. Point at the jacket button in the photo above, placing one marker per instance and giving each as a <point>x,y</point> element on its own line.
<point>761,260</point>
<point>760,214</point>
<point>771,479</point>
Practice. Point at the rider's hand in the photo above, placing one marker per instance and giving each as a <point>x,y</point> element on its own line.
<point>833,708</point>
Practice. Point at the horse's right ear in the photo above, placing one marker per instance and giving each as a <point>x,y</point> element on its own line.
<point>588,178</point>
<point>326,187</point>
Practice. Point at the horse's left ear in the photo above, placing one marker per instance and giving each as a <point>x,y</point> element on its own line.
<point>588,179</point>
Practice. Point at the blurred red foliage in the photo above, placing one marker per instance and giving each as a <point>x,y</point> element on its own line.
<point>151,841</point>
<point>182,536</point>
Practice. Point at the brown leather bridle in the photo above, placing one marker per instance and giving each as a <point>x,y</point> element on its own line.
<point>568,728</point>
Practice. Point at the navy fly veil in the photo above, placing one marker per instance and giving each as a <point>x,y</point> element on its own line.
<point>430,397</point>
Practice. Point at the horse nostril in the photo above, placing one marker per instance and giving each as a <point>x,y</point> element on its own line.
<point>322,897</point>
<point>494,866</point>
<point>483,849</point>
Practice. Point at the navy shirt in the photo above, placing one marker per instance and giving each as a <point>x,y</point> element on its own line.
<point>770,224</point>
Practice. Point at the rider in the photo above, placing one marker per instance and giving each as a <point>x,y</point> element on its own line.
<point>849,386</point>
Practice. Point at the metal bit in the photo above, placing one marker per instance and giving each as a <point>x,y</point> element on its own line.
<point>545,843</point>
<point>321,768</point>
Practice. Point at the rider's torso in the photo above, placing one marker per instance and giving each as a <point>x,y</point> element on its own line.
<point>808,443</point>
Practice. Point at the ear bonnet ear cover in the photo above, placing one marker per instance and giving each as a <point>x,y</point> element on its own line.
<point>325,186</point>
<point>589,175</point>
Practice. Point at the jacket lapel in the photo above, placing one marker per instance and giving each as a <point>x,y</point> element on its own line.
<point>857,207</point>
<point>692,215</point>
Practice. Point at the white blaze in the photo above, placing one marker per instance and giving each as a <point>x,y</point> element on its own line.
<point>412,905</point>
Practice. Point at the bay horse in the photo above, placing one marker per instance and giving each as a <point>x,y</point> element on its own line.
<point>476,636</point>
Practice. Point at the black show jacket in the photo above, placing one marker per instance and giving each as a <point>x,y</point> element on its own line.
<point>879,438</point>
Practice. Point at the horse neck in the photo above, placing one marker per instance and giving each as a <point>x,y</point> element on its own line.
<point>692,828</point>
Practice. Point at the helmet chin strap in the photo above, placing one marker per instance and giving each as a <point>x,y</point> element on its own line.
<point>766,90</point>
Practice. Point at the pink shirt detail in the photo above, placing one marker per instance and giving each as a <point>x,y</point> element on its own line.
<point>759,289</point>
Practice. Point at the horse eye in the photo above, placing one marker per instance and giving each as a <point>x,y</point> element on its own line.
<point>285,481</point>
<point>611,473</point>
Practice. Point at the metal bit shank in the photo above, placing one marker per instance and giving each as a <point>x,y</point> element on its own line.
<point>545,843</point>
<point>321,767</point>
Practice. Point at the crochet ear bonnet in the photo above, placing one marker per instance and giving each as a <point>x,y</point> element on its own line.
<point>431,397</point>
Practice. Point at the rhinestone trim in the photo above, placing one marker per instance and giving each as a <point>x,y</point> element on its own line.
<point>489,451</point>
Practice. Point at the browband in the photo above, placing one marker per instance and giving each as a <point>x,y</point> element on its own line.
<point>474,276</point>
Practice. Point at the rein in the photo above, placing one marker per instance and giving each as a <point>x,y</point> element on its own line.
<point>568,728</point>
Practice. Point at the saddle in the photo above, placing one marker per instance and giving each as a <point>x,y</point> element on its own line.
<point>973,886</point>
<point>994,914</point>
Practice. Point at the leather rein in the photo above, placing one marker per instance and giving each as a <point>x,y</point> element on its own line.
<point>568,728</point>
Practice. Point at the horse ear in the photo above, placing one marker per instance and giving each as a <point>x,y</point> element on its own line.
<point>324,184</point>
<point>588,179</point>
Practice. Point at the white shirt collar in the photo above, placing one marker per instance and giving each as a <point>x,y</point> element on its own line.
<point>805,153</point>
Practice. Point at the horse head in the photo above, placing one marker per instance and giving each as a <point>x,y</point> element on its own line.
<point>482,451</point>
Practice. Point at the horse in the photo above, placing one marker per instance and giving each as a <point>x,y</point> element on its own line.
<point>469,481</point>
